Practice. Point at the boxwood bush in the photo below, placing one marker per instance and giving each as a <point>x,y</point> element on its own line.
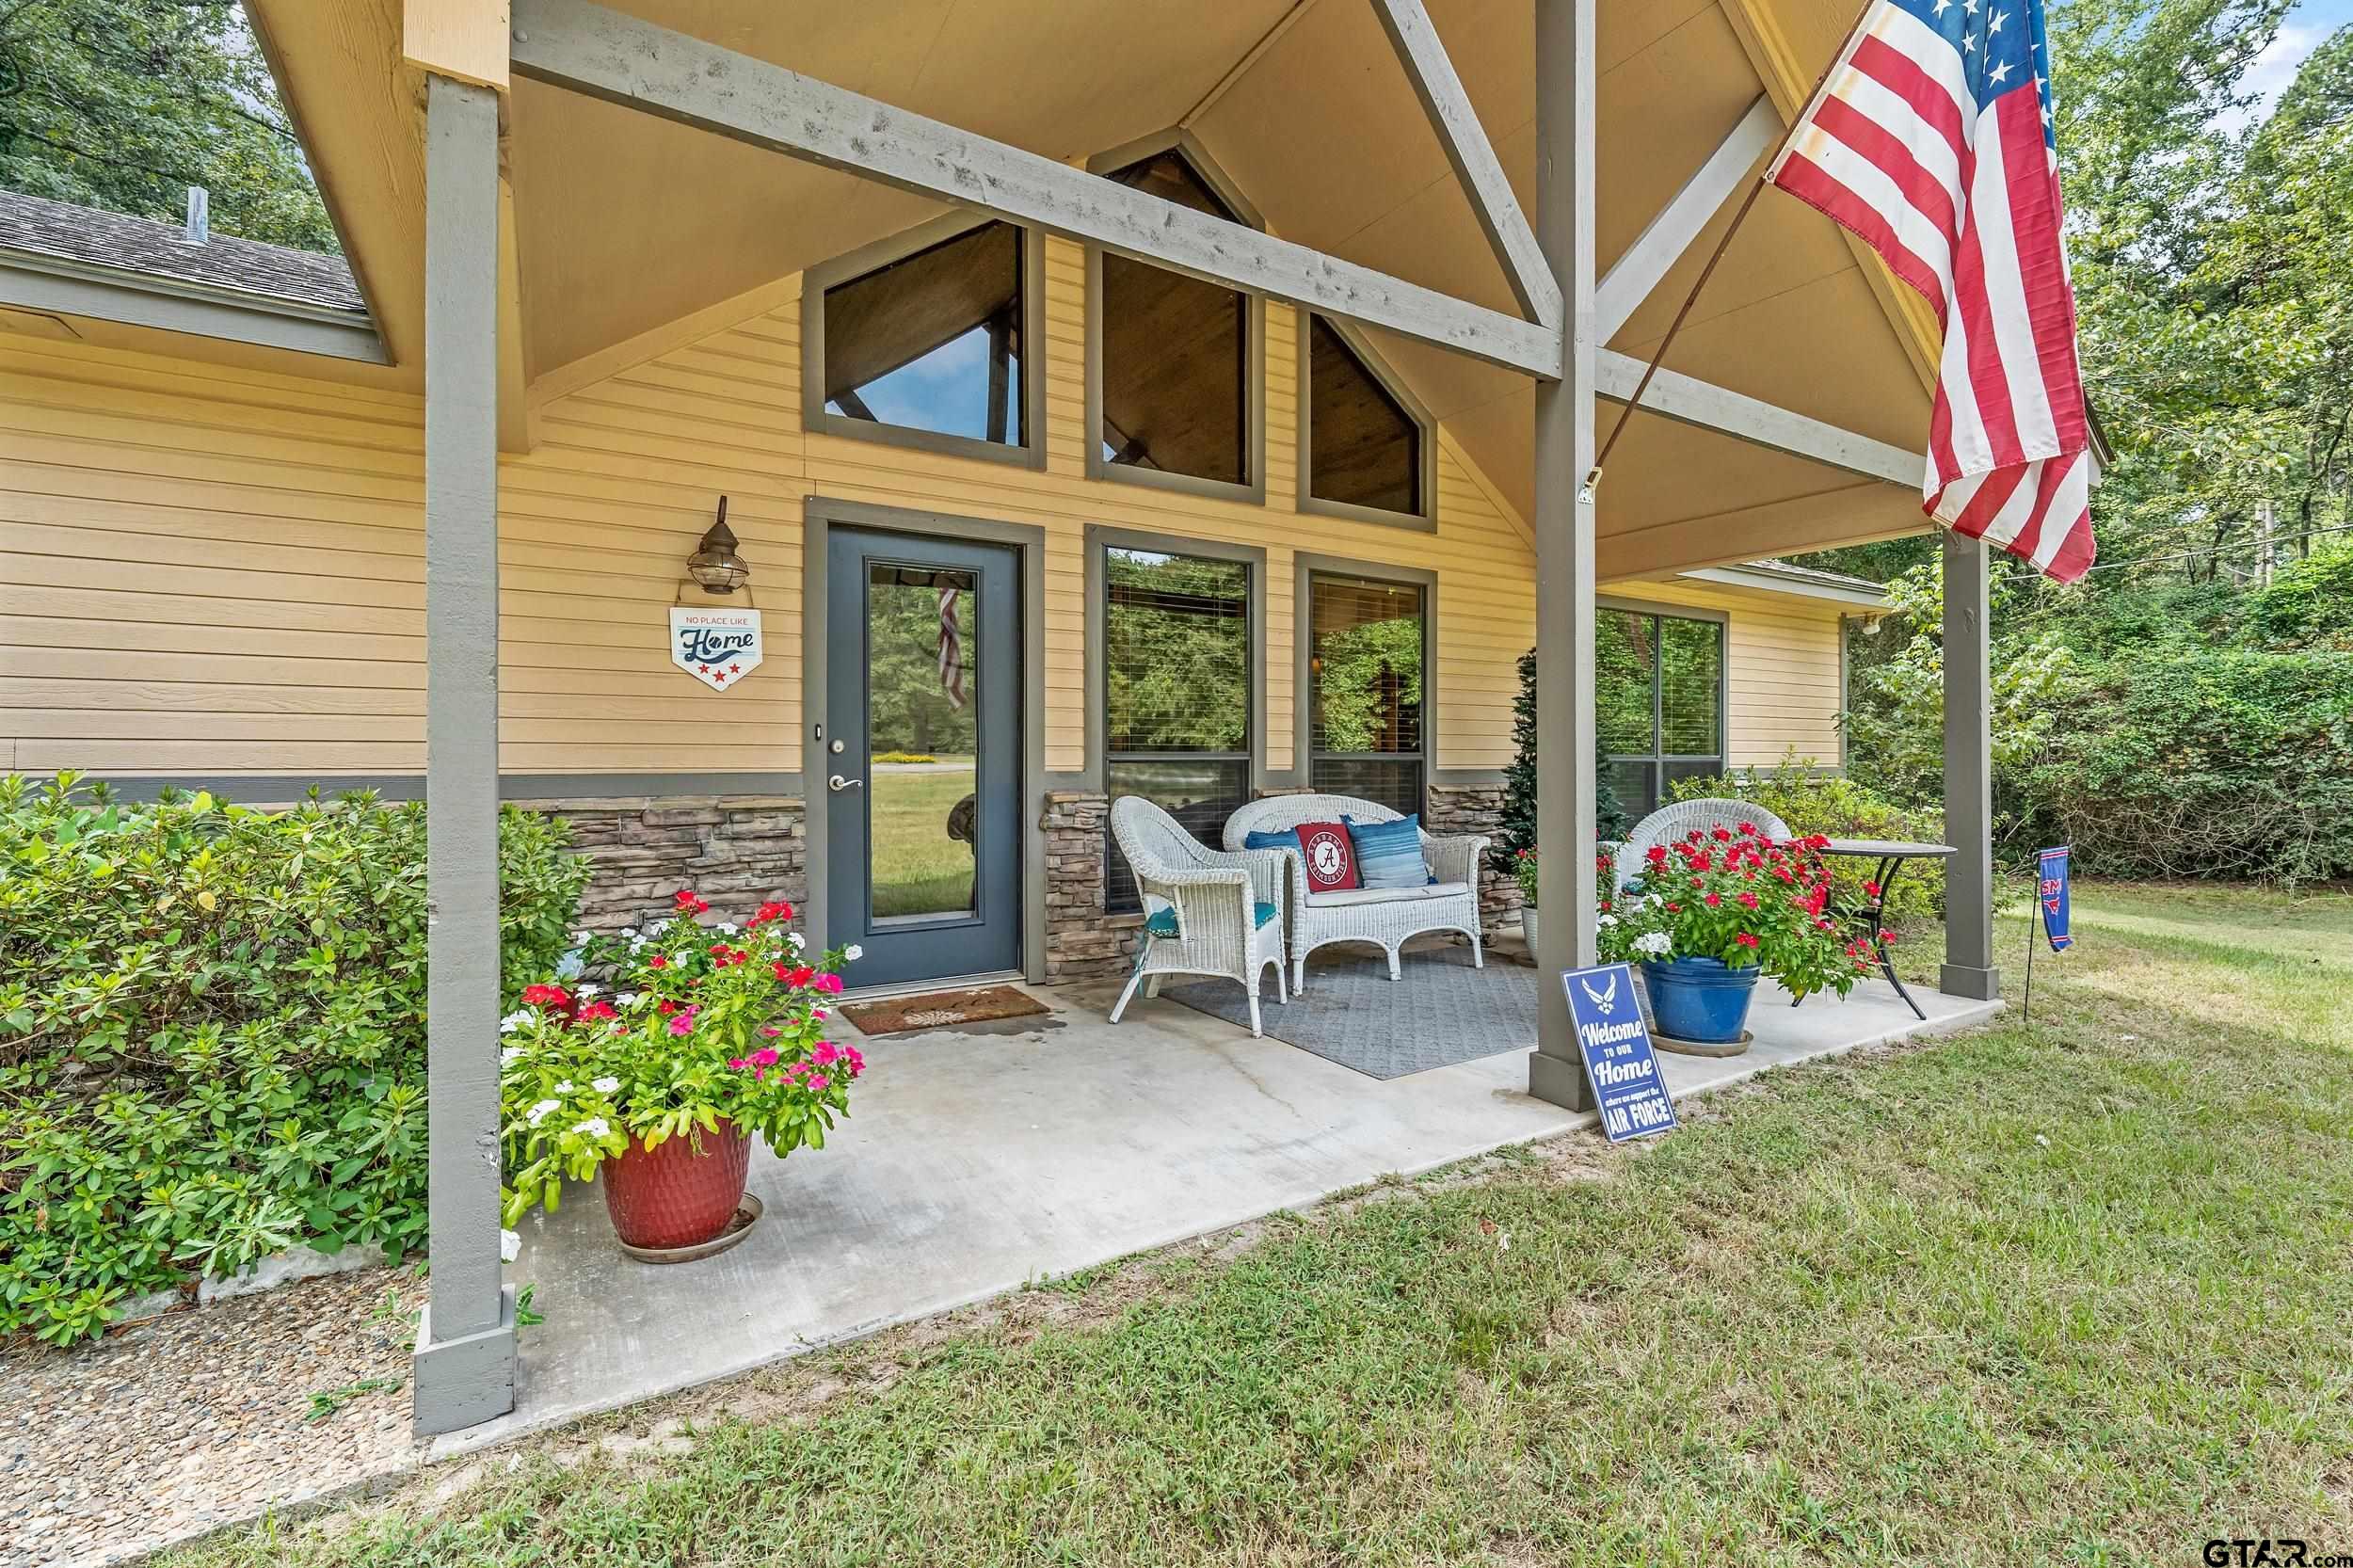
<point>211,1034</point>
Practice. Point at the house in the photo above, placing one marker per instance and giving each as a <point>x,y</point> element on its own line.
<point>1145,398</point>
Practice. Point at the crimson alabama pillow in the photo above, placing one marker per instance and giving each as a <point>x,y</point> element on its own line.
<point>1331,858</point>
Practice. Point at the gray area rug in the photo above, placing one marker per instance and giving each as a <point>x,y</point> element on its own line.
<point>1442,1012</point>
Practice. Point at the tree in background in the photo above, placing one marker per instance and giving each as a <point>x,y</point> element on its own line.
<point>1518,830</point>
<point>124,104</point>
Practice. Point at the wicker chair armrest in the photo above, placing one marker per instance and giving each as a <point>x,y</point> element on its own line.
<point>1268,880</point>
<point>1210,901</point>
<point>1455,860</point>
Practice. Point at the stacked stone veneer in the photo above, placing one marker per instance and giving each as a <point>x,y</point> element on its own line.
<point>737,851</point>
<point>1459,808</point>
<point>1081,942</point>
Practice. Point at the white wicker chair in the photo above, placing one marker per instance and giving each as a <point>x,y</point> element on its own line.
<point>1386,917</point>
<point>1222,913</point>
<point>1669,824</point>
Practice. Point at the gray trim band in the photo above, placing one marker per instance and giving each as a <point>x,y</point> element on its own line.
<point>53,286</point>
<point>283,789</point>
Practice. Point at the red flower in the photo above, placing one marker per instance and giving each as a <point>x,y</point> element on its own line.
<point>546,996</point>
<point>1888,936</point>
<point>658,962</point>
<point>1712,901</point>
<point>684,896</point>
<point>1749,829</point>
<point>1747,900</point>
<point>1871,889</point>
<point>800,976</point>
<point>1722,835</point>
<point>1817,841</point>
<point>1675,909</point>
<point>1655,855</point>
<point>667,1008</point>
<point>596,1012</point>
<point>1745,939</point>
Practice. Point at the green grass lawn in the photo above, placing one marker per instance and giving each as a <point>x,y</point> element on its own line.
<point>918,868</point>
<point>2080,1293</point>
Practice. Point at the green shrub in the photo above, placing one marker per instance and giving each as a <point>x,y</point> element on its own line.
<point>211,1034</point>
<point>1810,801</point>
<point>2307,601</point>
<point>2192,762</point>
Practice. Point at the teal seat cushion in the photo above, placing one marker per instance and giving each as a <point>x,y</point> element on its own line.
<point>1388,854</point>
<point>1162,921</point>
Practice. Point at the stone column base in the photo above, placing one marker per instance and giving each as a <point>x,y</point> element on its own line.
<point>461,1382</point>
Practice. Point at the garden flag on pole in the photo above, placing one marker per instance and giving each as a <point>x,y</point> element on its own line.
<point>1930,139</point>
<point>2053,894</point>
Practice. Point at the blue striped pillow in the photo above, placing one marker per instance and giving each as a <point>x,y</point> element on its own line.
<point>1388,854</point>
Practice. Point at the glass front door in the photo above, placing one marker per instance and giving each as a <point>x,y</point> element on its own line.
<point>922,756</point>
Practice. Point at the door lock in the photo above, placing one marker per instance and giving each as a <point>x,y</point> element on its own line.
<point>836,783</point>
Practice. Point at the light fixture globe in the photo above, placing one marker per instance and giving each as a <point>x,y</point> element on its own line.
<point>714,564</point>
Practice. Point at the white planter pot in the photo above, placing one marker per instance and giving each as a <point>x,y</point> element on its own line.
<point>1528,925</point>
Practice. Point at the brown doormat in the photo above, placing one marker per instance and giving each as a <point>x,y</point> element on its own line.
<point>941,1010</point>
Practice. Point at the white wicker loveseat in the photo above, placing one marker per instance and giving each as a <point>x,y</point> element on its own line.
<point>1386,917</point>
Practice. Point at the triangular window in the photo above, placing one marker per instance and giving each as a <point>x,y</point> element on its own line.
<point>1175,350</point>
<point>933,340</point>
<point>1364,448</point>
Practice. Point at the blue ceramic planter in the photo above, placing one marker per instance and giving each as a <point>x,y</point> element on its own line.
<point>1701,999</point>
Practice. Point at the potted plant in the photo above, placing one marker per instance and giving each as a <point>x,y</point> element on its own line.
<point>658,1075</point>
<point>1523,873</point>
<point>1712,915</point>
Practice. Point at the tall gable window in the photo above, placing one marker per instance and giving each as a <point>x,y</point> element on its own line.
<point>1176,360</point>
<point>924,339</point>
<point>1365,448</point>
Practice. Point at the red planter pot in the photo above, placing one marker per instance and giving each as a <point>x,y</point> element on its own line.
<point>678,1195</point>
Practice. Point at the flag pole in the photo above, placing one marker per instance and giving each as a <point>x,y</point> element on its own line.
<point>1593,480</point>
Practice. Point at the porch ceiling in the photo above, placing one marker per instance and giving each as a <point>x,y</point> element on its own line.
<point>627,222</point>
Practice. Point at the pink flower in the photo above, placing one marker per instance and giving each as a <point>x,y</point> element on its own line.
<point>824,1053</point>
<point>764,1057</point>
<point>771,1031</point>
<point>1746,900</point>
<point>682,1024</point>
<point>736,1062</point>
<point>817,1080</point>
<point>829,984</point>
<point>818,1014</point>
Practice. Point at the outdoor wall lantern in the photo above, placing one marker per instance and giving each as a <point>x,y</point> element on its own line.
<point>714,564</point>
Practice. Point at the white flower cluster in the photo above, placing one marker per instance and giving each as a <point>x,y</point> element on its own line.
<point>514,1021</point>
<point>540,1111</point>
<point>605,1085</point>
<point>594,1127</point>
<point>853,952</point>
<point>1656,943</point>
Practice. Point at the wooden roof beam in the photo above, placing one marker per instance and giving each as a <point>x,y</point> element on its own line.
<point>1683,219</point>
<point>1476,165</point>
<point>603,54</point>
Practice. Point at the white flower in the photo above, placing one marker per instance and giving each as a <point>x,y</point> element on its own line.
<point>627,998</point>
<point>580,938</point>
<point>594,1127</point>
<point>1605,919</point>
<point>509,1057</point>
<point>513,1021</point>
<point>797,940</point>
<point>605,1085</point>
<point>628,933</point>
<point>565,1087</point>
<point>540,1111</point>
<point>590,989</point>
<point>1656,943</point>
<point>853,952</point>
<point>511,1246</point>
<point>726,928</point>
<point>569,966</point>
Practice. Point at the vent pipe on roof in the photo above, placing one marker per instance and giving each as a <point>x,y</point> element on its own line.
<point>199,229</point>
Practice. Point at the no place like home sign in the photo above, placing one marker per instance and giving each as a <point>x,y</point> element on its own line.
<point>1628,1090</point>
<point>717,648</point>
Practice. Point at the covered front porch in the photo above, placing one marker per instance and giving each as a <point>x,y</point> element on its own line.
<point>985,1158</point>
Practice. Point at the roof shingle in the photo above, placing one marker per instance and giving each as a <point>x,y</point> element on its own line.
<point>31,225</point>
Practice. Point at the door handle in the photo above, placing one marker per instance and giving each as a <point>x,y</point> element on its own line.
<point>836,783</point>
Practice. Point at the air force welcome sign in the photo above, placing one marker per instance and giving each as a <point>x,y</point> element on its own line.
<point>717,648</point>
<point>1627,1088</point>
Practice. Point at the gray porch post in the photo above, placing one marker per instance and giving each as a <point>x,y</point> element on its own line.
<point>464,1371</point>
<point>1969,969</point>
<point>1564,544</point>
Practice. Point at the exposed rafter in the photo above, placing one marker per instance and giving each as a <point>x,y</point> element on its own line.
<point>1655,251</point>
<point>1476,165</point>
<point>1690,401</point>
<point>606,55</point>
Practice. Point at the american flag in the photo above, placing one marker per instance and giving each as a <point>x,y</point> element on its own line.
<point>1931,140</point>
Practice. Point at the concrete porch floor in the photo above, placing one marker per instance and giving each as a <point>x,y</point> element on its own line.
<point>977,1161</point>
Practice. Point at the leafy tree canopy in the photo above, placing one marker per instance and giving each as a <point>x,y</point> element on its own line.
<point>124,104</point>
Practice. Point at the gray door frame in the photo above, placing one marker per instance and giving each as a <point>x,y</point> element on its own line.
<point>821,515</point>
